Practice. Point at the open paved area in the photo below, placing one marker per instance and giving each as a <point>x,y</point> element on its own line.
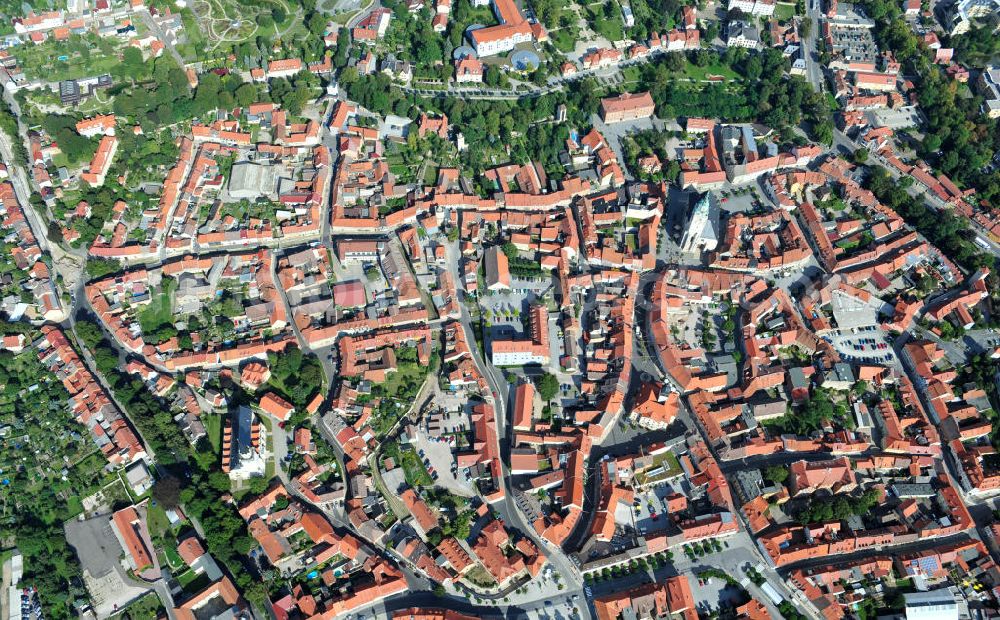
<point>99,551</point>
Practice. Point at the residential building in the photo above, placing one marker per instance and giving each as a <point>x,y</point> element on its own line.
<point>468,70</point>
<point>627,107</point>
<point>755,8</point>
<point>497,269</point>
<point>959,16</point>
<point>989,87</point>
<point>741,33</point>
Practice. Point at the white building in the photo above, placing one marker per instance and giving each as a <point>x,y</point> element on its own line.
<point>702,234</point>
<point>959,16</point>
<point>742,34</point>
<point>933,605</point>
<point>15,566</point>
<point>518,353</point>
<point>495,40</point>
<point>246,456</point>
<point>989,88</point>
<point>628,16</point>
<point>763,8</point>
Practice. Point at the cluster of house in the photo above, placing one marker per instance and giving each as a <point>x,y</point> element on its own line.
<point>104,18</point>
<point>840,589</point>
<point>878,101</point>
<point>963,412</point>
<point>506,558</point>
<point>732,407</point>
<point>552,457</point>
<point>761,244</point>
<point>255,319</point>
<point>219,596</point>
<point>37,298</point>
<point>88,401</point>
<point>295,540</point>
<point>512,30</point>
<point>686,37</point>
<point>877,138</point>
<point>736,154</point>
<point>53,181</point>
<point>670,599</point>
<point>693,502</point>
<point>289,67</point>
<point>376,293</point>
<point>872,242</point>
<point>914,503</point>
<point>227,190</point>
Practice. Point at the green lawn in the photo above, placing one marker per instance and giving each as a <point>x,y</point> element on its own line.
<point>159,311</point>
<point>563,39</point>
<point>630,75</point>
<point>701,73</point>
<point>413,468</point>
<point>173,558</point>
<point>79,56</point>
<point>784,12</point>
<point>213,428</point>
<point>193,582</point>
<point>430,175</point>
<point>146,608</point>
<point>832,102</point>
<point>74,505</point>
<point>156,519</point>
<point>612,29</point>
<point>405,373</point>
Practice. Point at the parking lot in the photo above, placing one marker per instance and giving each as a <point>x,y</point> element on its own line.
<point>649,510</point>
<point>866,345</point>
<point>556,609</point>
<point>100,557</point>
<point>440,462</point>
<point>711,593</point>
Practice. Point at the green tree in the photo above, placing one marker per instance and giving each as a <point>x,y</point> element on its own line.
<point>133,65</point>
<point>776,474</point>
<point>547,385</point>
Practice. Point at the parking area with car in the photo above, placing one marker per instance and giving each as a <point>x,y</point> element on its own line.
<point>863,345</point>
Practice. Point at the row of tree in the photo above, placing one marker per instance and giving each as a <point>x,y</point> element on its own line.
<point>959,140</point>
<point>764,91</point>
<point>948,232</point>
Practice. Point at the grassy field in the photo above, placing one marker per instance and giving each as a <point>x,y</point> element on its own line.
<point>784,12</point>
<point>630,75</point>
<point>832,102</point>
<point>159,311</point>
<point>702,73</point>
<point>192,582</point>
<point>77,57</point>
<point>74,505</point>
<point>156,519</point>
<point>413,468</point>
<point>563,39</point>
<point>430,175</point>
<point>406,373</point>
<point>194,41</point>
<point>173,558</point>
<point>145,608</point>
<point>611,29</point>
<point>213,428</point>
